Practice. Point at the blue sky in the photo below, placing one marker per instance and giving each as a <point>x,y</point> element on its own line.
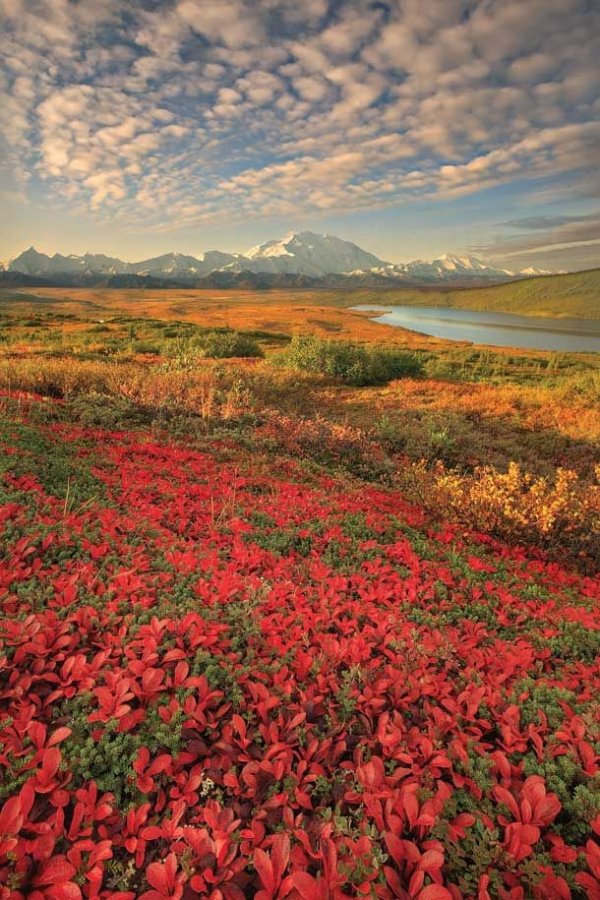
<point>412,127</point>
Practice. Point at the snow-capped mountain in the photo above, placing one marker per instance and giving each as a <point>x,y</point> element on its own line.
<point>167,264</point>
<point>307,253</point>
<point>459,265</point>
<point>30,262</point>
<point>447,268</point>
<point>531,270</point>
<point>303,253</point>
<point>178,264</point>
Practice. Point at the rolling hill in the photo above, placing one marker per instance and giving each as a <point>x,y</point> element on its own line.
<point>574,294</point>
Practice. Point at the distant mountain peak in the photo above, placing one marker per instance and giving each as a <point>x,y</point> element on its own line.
<point>308,253</point>
<point>531,270</point>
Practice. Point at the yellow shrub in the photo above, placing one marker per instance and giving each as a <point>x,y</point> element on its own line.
<point>561,514</point>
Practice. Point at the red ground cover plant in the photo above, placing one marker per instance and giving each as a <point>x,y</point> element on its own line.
<point>222,678</point>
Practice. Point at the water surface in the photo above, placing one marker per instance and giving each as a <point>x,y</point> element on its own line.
<point>495,328</point>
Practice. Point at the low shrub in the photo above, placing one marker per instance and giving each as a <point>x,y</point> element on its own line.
<point>146,347</point>
<point>184,351</point>
<point>97,410</point>
<point>560,515</point>
<point>327,443</point>
<point>224,344</point>
<point>224,676</point>
<point>352,363</point>
<point>218,344</point>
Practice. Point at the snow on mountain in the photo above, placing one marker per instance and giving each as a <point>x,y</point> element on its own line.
<point>463,263</point>
<point>298,253</point>
<point>450,267</point>
<point>269,249</point>
<point>167,264</point>
<point>98,262</point>
<point>445,268</point>
<point>30,262</point>
<point>215,260</point>
<point>307,253</point>
<point>531,270</point>
<point>182,266</point>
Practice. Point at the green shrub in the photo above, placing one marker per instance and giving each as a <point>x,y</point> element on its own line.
<point>146,347</point>
<point>97,410</point>
<point>353,364</point>
<point>224,344</point>
<point>218,344</point>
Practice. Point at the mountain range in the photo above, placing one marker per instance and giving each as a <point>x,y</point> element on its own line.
<point>296,258</point>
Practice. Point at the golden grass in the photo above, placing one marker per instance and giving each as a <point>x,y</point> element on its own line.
<point>534,407</point>
<point>324,313</point>
<point>525,416</point>
<point>450,443</point>
<point>287,312</point>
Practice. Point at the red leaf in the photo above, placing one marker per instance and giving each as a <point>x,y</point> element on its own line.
<point>57,870</point>
<point>505,797</point>
<point>11,816</point>
<point>435,892</point>
<point>264,867</point>
<point>280,855</point>
<point>305,884</point>
<point>59,735</point>
<point>431,860</point>
<point>162,875</point>
<point>68,891</point>
<point>395,847</point>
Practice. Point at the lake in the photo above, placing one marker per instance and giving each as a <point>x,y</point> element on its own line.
<point>494,328</point>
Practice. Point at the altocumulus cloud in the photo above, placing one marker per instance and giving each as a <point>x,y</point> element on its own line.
<point>162,114</point>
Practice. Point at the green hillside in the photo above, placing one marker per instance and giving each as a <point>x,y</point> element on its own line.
<point>574,294</point>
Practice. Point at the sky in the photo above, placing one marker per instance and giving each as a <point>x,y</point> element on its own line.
<point>411,127</point>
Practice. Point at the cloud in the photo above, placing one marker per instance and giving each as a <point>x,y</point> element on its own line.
<point>568,241</point>
<point>546,222</point>
<point>565,230</point>
<point>311,88</point>
<point>105,185</point>
<point>553,258</point>
<point>532,68</point>
<point>214,110</point>
<point>351,30</point>
<point>228,22</point>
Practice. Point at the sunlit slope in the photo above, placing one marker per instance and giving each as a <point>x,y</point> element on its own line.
<point>574,294</point>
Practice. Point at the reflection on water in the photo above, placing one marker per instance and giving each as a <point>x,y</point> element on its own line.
<point>495,328</point>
